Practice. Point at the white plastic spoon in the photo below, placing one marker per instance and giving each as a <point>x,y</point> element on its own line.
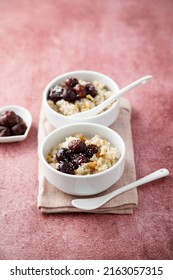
<point>96,202</point>
<point>94,111</point>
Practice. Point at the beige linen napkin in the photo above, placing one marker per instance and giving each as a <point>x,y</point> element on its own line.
<point>52,200</point>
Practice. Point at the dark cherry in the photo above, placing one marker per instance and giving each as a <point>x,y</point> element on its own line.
<point>80,91</point>
<point>55,93</point>
<point>69,95</point>
<point>77,146</point>
<point>19,128</point>
<point>73,158</point>
<point>4,131</point>
<point>90,89</point>
<point>79,159</point>
<point>91,150</point>
<point>66,167</point>
<point>71,82</point>
<point>8,118</point>
<point>62,154</point>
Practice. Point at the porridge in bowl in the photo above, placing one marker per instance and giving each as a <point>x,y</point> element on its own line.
<point>94,168</point>
<point>78,155</point>
<point>76,96</point>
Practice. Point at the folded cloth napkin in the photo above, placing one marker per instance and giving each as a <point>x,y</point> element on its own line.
<point>52,200</point>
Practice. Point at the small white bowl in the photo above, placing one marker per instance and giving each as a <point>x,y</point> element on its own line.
<point>25,115</point>
<point>82,184</point>
<point>105,118</point>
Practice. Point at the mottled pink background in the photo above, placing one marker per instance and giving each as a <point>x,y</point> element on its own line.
<point>125,40</point>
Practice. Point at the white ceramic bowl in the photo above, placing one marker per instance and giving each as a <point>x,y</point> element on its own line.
<point>105,118</point>
<point>82,184</point>
<point>25,115</point>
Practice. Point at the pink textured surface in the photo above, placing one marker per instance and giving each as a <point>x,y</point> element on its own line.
<point>126,40</point>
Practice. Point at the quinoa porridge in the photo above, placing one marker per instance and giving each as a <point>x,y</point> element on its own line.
<point>79,155</point>
<point>76,96</point>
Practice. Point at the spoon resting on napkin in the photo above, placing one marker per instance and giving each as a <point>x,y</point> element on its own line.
<point>96,202</point>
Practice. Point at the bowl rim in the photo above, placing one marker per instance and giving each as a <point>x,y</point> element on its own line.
<point>57,130</point>
<point>54,80</point>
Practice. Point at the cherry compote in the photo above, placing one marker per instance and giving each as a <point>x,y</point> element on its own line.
<point>55,93</point>
<point>4,131</point>
<point>66,167</point>
<point>69,95</point>
<point>11,124</point>
<point>91,150</point>
<point>71,82</point>
<point>19,128</point>
<point>71,91</point>
<point>76,154</point>
<point>77,146</point>
<point>8,118</point>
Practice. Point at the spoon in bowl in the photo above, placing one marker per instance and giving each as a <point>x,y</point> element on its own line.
<point>96,202</point>
<point>94,111</point>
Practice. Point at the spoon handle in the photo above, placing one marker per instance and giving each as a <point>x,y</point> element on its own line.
<point>127,88</point>
<point>112,98</point>
<point>151,177</point>
<point>95,202</point>
<point>133,85</point>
